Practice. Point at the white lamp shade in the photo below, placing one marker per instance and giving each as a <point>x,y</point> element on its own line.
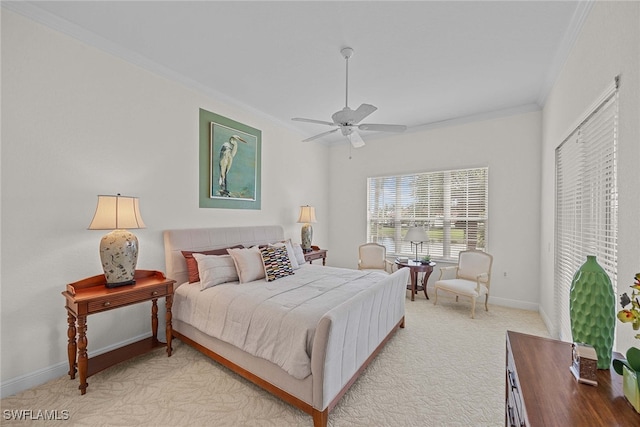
<point>416,234</point>
<point>307,214</point>
<point>117,213</point>
<point>119,248</point>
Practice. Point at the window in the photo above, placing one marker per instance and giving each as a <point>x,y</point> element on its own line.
<point>586,219</point>
<point>452,207</point>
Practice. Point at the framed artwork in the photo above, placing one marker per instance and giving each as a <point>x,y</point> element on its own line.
<point>230,163</point>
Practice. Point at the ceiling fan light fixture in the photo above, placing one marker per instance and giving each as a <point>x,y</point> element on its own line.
<point>355,139</point>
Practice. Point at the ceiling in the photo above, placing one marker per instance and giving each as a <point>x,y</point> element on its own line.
<point>421,63</point>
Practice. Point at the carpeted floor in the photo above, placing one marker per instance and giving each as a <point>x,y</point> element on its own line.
<point>443,369</point>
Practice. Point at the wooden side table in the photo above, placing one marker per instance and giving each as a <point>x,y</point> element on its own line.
<point>316,253</point>
<point>417,267</point>
<point>89,296</point>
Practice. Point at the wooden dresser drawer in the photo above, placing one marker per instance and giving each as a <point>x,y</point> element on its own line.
<point>119,299</point>
<point>515,409</point>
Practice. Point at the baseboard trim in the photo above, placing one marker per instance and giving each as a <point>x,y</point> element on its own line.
<point>41,376</point>
<point>504,302</point>
<point>549,324</point>
<point>513,303</point>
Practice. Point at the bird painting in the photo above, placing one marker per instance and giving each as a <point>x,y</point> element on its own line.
<point>227,153</point>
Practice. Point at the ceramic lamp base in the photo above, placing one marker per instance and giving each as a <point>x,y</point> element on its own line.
<point>306,235</point>
<point>119,256</point>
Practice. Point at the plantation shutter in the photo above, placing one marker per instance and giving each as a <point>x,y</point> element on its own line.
<point>452,206</point>
<point>586,202</point>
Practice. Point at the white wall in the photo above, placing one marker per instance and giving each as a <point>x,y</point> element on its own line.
<point>608,45</point>
<point>509,146</point>
<point>77,122</point>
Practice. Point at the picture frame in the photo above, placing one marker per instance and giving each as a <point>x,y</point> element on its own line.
<point>230,171</point>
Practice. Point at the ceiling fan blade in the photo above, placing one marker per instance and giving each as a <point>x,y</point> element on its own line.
<point>320,122</point>
<point>355,139</point>
<point>363,111</point>
<point>382,128</point>
<point>320,135</point>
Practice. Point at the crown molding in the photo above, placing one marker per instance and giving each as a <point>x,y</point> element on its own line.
<point>564,49</point>
<point>39,15</point>
<point>35,13</point>
<point>480,117</point>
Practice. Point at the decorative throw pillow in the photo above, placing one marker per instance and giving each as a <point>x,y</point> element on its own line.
<point>290,253</point>
<point>215,270</point>
<point>276,262</point>
<point>297,250</point>
<point>192,264</point>
<point>248,263</point>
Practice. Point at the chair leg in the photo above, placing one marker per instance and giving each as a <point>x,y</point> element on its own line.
<point>486,300</point>
<point>473,308</point>
<point>456,298</point>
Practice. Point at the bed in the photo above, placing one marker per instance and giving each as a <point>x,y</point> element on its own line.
<point>332,335</point>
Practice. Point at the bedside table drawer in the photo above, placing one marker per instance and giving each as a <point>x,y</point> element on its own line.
<point>118,300</point>
<point>316,253</point>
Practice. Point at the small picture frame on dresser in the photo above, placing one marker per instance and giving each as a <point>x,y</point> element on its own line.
<point>584,363</point>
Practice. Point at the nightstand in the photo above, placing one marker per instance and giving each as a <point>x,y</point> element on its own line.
<point>316,253</point>
<point>415,268</point>
<point>89,296</point>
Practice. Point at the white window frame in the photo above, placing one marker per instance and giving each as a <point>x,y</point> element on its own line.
<point>451,205</point>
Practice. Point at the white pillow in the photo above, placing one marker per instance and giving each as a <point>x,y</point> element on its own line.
<point>299,254</point>
<point>290,253</point>
<point>248,263</point>
<point>215,270</point>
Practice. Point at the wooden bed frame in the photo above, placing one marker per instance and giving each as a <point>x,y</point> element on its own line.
<point>319,393</point>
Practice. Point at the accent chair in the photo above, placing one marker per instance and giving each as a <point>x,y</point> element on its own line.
<point>472,278</point>
<point>373,257</point>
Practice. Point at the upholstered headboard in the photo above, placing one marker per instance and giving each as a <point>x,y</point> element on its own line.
<point>198,239</point>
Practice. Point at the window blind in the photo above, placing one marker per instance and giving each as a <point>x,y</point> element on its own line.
<point>586,203</point>
<point>452,206</point>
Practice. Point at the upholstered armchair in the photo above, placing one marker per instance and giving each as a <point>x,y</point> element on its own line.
<point>472,278</point>
<point>372,256</point>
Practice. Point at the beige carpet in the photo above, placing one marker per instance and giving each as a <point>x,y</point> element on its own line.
<point>443,369</point>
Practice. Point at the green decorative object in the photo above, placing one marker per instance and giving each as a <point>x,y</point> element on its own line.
<point>630,387</point>
<point>592,309</point>
<point>629,368</point>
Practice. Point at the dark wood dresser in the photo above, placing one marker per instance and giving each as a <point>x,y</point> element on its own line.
<point>542,391</point>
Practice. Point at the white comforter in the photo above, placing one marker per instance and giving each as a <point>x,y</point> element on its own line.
<point>272,320</point>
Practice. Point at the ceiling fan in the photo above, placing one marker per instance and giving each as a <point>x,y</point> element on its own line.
<point>346,120</point>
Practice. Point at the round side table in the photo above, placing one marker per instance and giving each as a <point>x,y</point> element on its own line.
<point>417,267</point>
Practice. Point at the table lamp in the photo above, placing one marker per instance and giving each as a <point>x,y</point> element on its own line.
<point>416,235</point>
<point>307,216</point>
<point>119,248</point>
